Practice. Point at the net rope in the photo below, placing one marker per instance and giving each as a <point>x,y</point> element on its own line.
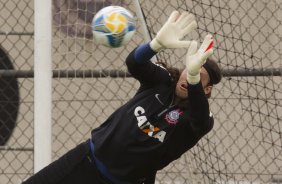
<point>90,82</point>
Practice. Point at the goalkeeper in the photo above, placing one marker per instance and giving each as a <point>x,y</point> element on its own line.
<point>167,116</point>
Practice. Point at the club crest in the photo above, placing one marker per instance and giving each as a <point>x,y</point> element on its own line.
<point>173,116</point>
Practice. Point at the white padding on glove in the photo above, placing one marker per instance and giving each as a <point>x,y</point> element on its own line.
<point>196,58</point>
<point>176,27</point>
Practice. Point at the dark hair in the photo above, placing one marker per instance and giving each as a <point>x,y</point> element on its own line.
<point>213,70</point>
<point>211,66</point>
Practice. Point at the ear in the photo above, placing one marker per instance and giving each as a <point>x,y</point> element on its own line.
<point>208,90</point>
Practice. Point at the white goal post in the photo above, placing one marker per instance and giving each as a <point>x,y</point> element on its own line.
<point>42,83</point>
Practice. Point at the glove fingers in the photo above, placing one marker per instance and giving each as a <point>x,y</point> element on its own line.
<point>181,17</point>
<point>186,20</point>
<point>189,28</point>
<point>207,41</point>
<point>205,56</point>
<point>173,16</point>
<point>210,46</point>
<point>192,48</point>
<point>182,44</point>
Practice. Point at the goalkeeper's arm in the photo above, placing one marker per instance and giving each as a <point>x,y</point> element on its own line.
<point>198,103</point>
<point>170,36</point>
<point>140,67</point>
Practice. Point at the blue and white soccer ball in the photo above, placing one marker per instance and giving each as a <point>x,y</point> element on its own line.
<point>113,26</point>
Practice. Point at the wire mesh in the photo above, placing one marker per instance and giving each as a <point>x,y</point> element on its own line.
<point>245,144</point>
<point>16,95</point>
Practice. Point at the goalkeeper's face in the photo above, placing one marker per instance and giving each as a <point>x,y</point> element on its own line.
<point>181,86</point>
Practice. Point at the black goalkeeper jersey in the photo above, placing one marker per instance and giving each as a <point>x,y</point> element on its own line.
<point>150,131</point>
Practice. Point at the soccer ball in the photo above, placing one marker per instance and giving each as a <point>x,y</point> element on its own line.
<point>113,26</point>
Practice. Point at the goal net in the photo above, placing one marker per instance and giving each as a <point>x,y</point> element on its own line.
<point>245,143</point>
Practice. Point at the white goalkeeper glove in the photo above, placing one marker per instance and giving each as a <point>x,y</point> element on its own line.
<point>195,59</point>
<point>171,33</point>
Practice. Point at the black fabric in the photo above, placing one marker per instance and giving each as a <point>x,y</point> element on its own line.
<point>74,167</point>
<point>199,108</point>
<point>141,137</point>
<point>135,142</point>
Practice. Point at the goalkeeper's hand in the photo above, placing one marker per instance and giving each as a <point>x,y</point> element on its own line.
<point>176,27</point>
<point>195,59</point>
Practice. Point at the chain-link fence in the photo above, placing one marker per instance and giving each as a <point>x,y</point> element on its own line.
<point>245,144</point>
<point>16,95</point>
